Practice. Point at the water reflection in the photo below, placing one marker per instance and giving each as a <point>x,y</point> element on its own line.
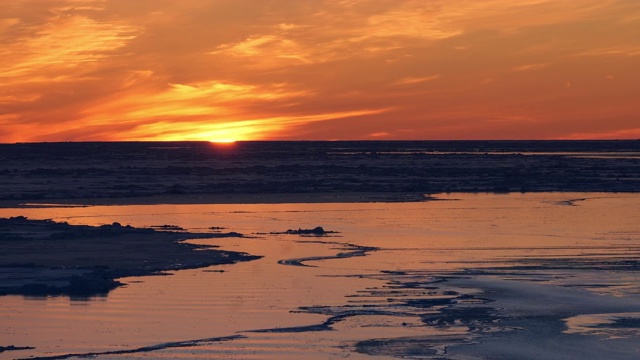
<point>523,237</point>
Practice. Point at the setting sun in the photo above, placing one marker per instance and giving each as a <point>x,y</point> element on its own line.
<point>147,137</point>
<point>107,70</point>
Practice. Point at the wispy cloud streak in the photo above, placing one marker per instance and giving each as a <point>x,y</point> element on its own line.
<point>325,69</point>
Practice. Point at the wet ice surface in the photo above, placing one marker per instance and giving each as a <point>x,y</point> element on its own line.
<point>475,277</point>
<point>611,325</point>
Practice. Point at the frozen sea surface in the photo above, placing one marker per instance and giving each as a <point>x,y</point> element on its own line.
<point>468,276</point>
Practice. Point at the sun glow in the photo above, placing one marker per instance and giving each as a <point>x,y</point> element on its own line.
<point>223,141</point>
<point>105,70</point>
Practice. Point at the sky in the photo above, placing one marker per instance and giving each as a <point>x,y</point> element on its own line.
<point>225,70</point>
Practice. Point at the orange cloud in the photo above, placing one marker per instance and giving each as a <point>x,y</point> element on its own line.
<point>63,47</point>
<point>330,69</point>
<point>252,129</point>
<point>416,80</point>
<point>607,135</point>
<point>529,67</point>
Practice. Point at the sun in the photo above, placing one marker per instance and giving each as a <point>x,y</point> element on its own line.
<point>223,141</point>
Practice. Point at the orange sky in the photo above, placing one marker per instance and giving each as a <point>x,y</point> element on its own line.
<point>81,70</point>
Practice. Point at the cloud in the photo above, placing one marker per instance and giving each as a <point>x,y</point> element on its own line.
<point>52,55</point>
<point>529,67</point>
<point>269,50</point>
<point>632,133</point>
<point>416,80</point>
<point>197,126</point>
<point>284,69</point>
<point>380,134</point>
<point>612,51</point>
<point>411,22</point>
<point>340,30</point>
<point>213,100</point>
<point>62,46</point>
<point>240,129</point>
